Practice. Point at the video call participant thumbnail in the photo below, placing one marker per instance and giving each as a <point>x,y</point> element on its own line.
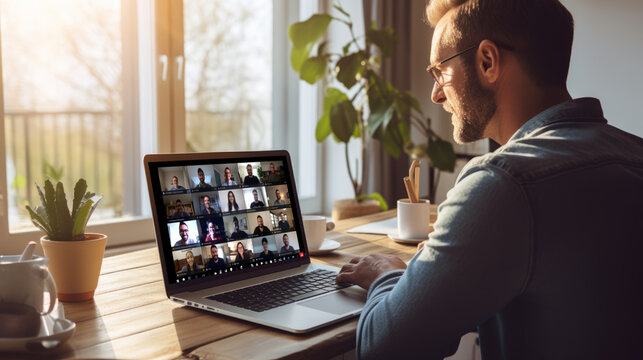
<point>265,254</point>
<point>210,207</point>
<point>272,176</point>
<point>287,247</point>
<point>232,202</point>
<point>184,234</point>
<point>250,179</point>
<point>202,185</point>
<point>243,254</point>
<point>260,229</point>
<point>175,184</point>
<point>179,211</point>
<point>227,178</point>
<point>256,203</point>
<point>191,267</point>
<point>237,234</point>
<point>283,223</point>
<point>214,233</point>
<point>279,198</point>
<point>216,262</point>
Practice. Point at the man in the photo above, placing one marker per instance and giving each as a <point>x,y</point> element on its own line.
<point>208,209</point>
<point>278,199</point>
<point>256,203</point>
<point>283,223</point>
<point>250,179</point>
<point>260,229</point>
<point>184,233</point>
<point>237,234</point>
<point>538,243</point>
<point>180,211</point>
<point>215,261</point>
<point>227,181</point>
<point>175,184</point>
<point>266,254</point>
<point>202,185</point>
<point>272,176</point>
<point>287,247</point>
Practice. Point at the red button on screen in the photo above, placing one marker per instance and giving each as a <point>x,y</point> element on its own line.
<point>301,254</point>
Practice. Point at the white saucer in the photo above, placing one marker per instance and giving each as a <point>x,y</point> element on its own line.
<point>395,237</point>
<point>327,246</point>
<point>54,330</point>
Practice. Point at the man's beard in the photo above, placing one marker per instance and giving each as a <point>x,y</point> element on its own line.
<point>477,106</point>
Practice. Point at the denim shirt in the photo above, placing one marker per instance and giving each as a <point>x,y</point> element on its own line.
<point>538,245</point>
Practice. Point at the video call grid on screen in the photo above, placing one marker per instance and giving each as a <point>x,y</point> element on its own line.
<point>222,217</point>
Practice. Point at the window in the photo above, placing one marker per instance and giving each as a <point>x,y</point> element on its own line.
<point>136,77</point>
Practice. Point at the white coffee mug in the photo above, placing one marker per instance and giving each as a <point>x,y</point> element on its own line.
<point>315,229</point>
<point>25,282</point>
<point>413,219</point>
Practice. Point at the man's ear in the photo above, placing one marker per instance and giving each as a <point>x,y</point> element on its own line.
<point>488,60</point>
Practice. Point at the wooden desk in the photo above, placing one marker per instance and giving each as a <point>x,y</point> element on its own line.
<point>131,317</point>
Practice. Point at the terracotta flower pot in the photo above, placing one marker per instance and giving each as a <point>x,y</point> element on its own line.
<point>75,265</point>
<point>348,208</point>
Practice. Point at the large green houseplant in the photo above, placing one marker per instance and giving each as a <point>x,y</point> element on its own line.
<point>75,257</point>
<point>375,107</point>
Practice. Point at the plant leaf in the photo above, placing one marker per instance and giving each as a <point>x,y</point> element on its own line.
<point>38,220</point>
<point>343,118</point>
<point>79,191</point>
<point>384,39</point>
<point>307,32</point>
<point>375,196</point>
<point>348,67</point>
<point>390,145</point>
<point>313,69</point>
<point>442,155</point>
<point>380,117</point>
<point>323,128</point>
<point>84,213</point>
<point>62,212</point>
<point>298,56</point>
<point>50,207</point>
<point>356,132</point>
<point>342,11</point>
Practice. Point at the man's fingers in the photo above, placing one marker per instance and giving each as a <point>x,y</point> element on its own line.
<point>344,277</point>
<point>355,260</point>
<point>347,268</point>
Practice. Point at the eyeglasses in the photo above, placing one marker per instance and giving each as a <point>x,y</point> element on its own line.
<point>437,73</point>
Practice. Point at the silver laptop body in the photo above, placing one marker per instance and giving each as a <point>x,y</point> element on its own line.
<point>178,185</point>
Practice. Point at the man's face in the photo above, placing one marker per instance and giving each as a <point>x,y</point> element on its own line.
<point>184,232</point>
<point>282,216</point>
<point>260,222</point>
<point>175,181</point>
<point>462,94</point>
<point>272,168</point>
<point>214,253</point>
<point>278,194</point>
<point>286,242</point>
<point>265,246</point>
<point>206,201</point>
<point>228,175</point>
<point>179,209</point>
<point>201,176</point>
<point>249,170</point>
<point>254,193</point>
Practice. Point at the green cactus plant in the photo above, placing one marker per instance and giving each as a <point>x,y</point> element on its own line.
<point>53,216</point>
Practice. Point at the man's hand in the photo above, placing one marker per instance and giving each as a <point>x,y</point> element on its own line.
<point>363,271</point>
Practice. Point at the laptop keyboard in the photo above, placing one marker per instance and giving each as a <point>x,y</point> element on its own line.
<point>280,292</point>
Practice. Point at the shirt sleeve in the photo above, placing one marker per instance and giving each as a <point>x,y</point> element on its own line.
<point>477,261</point>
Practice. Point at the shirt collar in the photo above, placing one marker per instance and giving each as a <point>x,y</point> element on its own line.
<point>581,110</point>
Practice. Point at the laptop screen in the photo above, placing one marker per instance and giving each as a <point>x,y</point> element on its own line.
<point>215,217</point>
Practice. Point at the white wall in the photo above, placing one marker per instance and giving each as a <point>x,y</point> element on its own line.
<point>607,57</point>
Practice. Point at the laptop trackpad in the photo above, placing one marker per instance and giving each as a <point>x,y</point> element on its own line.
<point>340,302</point>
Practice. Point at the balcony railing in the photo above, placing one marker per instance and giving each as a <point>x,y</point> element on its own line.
<point>67,145</point>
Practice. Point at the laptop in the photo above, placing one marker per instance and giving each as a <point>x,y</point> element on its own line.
<point>231,241</point>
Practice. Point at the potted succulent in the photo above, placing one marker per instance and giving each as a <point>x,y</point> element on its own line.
<point>375,108</point>
<point>75,257</point>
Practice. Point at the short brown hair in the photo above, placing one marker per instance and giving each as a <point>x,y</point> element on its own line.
<point>539,31</point>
